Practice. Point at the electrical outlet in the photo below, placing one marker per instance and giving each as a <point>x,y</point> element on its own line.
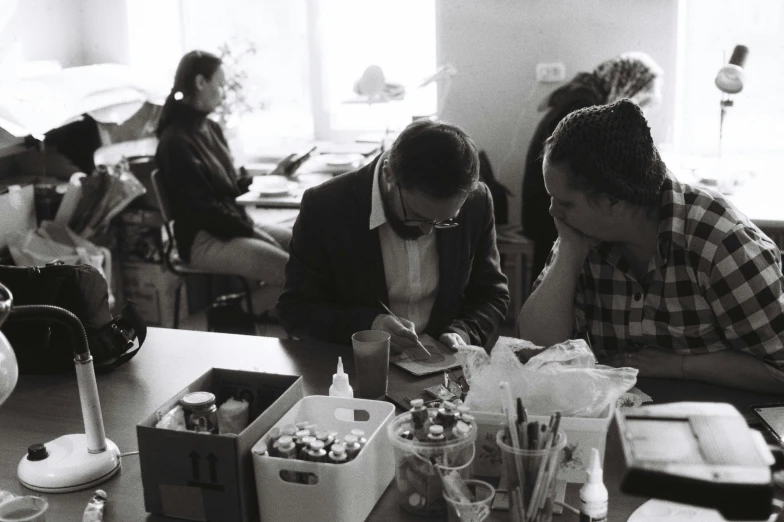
<point>550,72</point>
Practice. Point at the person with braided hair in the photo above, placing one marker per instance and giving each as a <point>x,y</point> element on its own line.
<point>653,273</point>
<point>633,75</point>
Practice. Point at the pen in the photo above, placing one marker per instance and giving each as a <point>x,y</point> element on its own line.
<point>390,312</point>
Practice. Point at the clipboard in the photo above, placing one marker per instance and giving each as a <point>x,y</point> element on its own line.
<point>441,359</point>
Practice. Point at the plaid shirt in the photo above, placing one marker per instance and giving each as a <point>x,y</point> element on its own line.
<point>715,284</point>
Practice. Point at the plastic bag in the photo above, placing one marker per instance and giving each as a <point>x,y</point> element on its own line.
<point>104,195</point>
<point>563,377</point>
<point>53,241</point>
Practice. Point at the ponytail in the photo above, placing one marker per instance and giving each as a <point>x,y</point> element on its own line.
<point>191,65</point>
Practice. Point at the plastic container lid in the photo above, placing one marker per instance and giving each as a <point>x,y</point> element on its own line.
<point>358,433</point>
<point>197,399</point>
<point>350,439</point>
<point>316,445</point>
<point>437,429</point>
<point>285,440</point>
<point>417,403</point>
<point>338,448</point>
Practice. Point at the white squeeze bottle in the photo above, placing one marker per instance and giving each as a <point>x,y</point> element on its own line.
<point>340,386</point>
<point>593,494</point>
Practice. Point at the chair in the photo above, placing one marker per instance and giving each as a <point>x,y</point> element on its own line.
<point>176,266</point>
<point>517,252</point>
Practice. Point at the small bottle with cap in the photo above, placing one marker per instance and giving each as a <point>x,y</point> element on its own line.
<point>419,417</point>
<point>352,446</point>
<point>340,386</point>
<point>593,494</point>
<point>316,452</point>
<point>436,433</point>
<point>305,445</point>
<point>360,435</point>
<point>287,450</point>
<point>337,454</point>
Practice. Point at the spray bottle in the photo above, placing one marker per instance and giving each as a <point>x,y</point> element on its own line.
<point>593,494</point>
<point>340,386</point>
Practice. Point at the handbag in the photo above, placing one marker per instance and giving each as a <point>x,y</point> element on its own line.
<point>47,347</point>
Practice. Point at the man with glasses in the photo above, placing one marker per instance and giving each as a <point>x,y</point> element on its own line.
<point>412,231</point>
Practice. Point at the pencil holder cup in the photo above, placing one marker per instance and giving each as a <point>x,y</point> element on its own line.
<point>419,466</point>
<point>530,478</point>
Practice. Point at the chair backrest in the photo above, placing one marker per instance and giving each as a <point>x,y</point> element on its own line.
<point>161,194</point>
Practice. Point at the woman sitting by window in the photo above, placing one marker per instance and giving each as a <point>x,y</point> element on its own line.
<point>213,232</point>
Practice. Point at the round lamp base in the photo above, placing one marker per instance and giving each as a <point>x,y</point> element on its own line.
<point>69,466</point>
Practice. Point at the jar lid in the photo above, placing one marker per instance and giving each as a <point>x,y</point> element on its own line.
<point>196,399</point>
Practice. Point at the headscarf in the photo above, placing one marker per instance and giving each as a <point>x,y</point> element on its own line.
<point>632,75</point>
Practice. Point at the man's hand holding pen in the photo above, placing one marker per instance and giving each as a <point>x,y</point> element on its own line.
<point>405,330</point>
<point>404,337</point>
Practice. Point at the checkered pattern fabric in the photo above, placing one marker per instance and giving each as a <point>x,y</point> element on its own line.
<point>716,285</point>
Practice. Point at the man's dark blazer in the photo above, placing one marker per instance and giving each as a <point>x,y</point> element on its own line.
<point>335,274</point>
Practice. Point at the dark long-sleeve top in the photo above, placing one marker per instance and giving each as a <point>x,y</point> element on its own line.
<point>537,222</point>
<point>335,276</point>
<point>195,161</point>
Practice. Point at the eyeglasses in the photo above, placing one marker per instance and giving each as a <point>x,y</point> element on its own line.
<point>447,223</point>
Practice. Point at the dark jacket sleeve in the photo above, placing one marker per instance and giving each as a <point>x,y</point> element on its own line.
<point>486,296</point>
<point>188,180</point>
<point>308,306</point>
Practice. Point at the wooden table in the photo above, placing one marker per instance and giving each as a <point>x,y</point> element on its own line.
<point>44,407</point>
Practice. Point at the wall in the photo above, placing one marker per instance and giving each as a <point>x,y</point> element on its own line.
<point>496,44</point>
<point>105,32</point>
<point>41,30</point>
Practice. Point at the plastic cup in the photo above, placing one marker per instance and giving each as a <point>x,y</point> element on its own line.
<point>475,510</point>
<point>24,509</point>
<point>419,465</point>
<point>371,360</point>
<point>530,478</point>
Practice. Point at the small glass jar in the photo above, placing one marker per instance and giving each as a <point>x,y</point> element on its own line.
<point>201,414</point>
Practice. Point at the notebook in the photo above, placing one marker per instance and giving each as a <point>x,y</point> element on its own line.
<point>441,358</point>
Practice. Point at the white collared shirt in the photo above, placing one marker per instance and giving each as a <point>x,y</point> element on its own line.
<point>410,265</point>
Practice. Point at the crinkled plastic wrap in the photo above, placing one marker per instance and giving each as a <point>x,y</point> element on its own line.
<point>563,377</point>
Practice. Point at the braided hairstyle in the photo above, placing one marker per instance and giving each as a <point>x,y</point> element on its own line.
<point>609,149</point>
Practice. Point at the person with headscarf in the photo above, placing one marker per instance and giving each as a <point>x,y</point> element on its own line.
<point>632,75</point>
<point>212,231</point>
<point>653,273</point>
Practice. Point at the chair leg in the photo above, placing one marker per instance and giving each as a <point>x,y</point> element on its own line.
<point>176,322</point>
<point>248,296</point>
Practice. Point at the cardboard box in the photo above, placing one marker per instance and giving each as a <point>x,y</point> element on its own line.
<point>582,434</point>
<point>154,289</point>
<point>210,477</point>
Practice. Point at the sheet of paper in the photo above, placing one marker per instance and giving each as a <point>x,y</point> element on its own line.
<point>441,358</point>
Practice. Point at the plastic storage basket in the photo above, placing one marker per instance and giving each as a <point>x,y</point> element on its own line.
<point>345,492</point>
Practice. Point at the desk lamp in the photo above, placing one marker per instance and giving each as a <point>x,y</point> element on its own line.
<point>729,80</point>
<point>9,369</point>
<point>70,462</point>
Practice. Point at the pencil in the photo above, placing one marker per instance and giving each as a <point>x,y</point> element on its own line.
<point>390,312</point>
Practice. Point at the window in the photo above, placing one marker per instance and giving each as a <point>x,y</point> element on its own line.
<point>308,55</point>
<point>709,32</point>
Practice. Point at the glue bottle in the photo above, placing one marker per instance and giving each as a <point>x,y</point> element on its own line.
<point>340,386</point>
<point>593,494</point>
